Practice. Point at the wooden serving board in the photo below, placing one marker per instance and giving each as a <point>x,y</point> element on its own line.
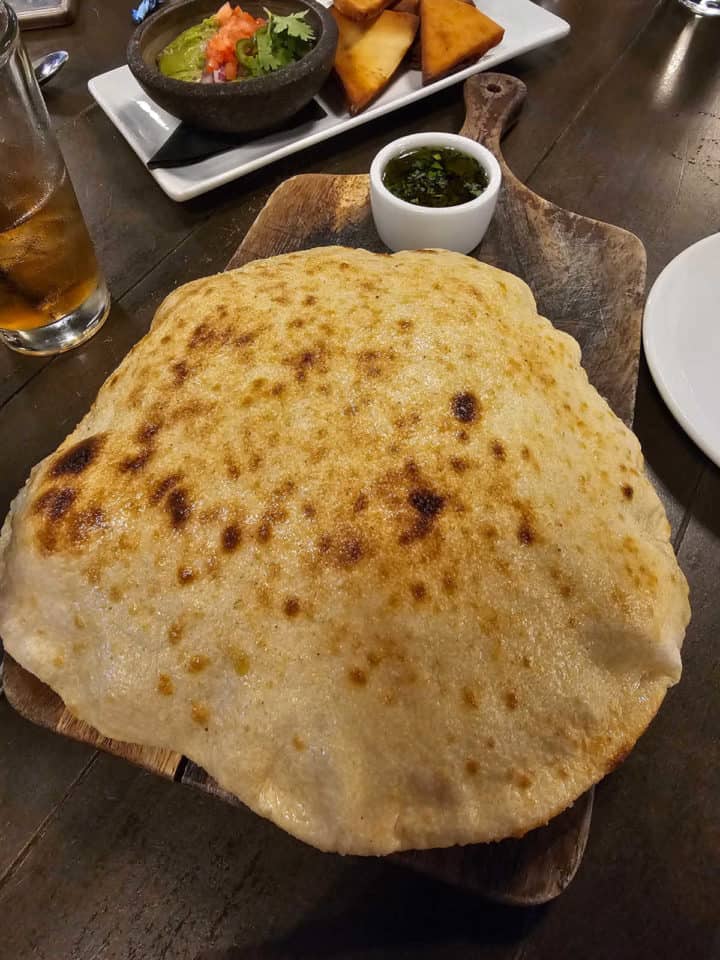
<point>589,278</point>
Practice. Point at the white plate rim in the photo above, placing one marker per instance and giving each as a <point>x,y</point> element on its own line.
<point>653,357</point>
<point>556,28</point>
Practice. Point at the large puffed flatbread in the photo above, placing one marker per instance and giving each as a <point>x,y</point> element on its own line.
<point>354,533</point>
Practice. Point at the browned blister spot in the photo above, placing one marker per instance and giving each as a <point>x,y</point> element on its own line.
<point>231,537</point>
<point>309,300</point>
<point>148,430</point>
<point>78,458</point>
<point>627,491</point>
<point>349,551</point>
<point>163,486</point>
<point>55,503</point>
<point>498,450</point>
<point>344,550</point>
<point>185,575</point>
<point>465,407</point>
<point>418,590</point>
<point>165,685</point>
<point>202,335</point>
<point>525,531</point>
<point>469,699</point>
<point>298,743</point>
<point>291,607</point>
<point>510,699</point>
<point>178,507</point>
<point>361,503</point>
<point>305,361</point>
<point>471,767</point>
<point>136,463</point>
<point>309,510</point>
<point>197,663</point>
<point>459,464</point>
<point>427,504</point>
<point>276,512</point>
<point>180,372</point>
<point>246,338</point>
<point>175,632</point>
<point>200,713</point>
<point>357,677</point>
<point>371,362</point>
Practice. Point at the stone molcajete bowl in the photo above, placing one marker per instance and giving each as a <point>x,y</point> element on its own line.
<point>248,106</point>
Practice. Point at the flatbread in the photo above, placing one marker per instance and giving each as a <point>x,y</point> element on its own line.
<point>353,532</point>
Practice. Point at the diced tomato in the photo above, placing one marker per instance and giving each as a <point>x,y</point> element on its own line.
<point>235,25</point>
<point>224,14</point>
<point>231,70</point>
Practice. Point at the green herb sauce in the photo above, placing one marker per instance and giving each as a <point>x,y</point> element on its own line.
<point>435,177</point>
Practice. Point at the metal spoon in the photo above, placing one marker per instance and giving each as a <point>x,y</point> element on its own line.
<point>46,68</point>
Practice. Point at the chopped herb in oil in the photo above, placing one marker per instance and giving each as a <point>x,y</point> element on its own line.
<point>435,177</point>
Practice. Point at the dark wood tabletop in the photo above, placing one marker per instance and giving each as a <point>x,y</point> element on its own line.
<point>101,860</point>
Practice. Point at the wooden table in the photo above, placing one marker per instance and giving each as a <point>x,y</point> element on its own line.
<point>100,860</point>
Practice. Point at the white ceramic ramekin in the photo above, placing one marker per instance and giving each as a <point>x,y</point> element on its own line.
<point>405,226</point>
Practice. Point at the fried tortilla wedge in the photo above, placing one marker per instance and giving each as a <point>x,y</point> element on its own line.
<point>414,57</point>
<point>368,56</point>
<point>361,9</point>
<point>452,32</point>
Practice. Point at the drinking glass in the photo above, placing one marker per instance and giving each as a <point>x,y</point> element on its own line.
<point>52,293</point>
<point>703,8</point>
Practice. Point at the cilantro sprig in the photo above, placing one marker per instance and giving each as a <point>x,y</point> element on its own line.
<point>282,41</point>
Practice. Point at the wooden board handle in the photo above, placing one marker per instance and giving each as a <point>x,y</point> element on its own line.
<point>493,102</point>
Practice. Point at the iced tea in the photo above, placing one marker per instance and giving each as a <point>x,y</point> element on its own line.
<point>47,263</point>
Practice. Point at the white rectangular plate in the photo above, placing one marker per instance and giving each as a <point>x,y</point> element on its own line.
<point>146,126</point>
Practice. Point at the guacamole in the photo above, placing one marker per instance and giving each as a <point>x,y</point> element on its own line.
<point>184,58</point>
<point>233,44</point>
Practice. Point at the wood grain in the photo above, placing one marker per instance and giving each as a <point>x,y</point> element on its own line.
<point>589,278</point>
<point>35,701</point>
